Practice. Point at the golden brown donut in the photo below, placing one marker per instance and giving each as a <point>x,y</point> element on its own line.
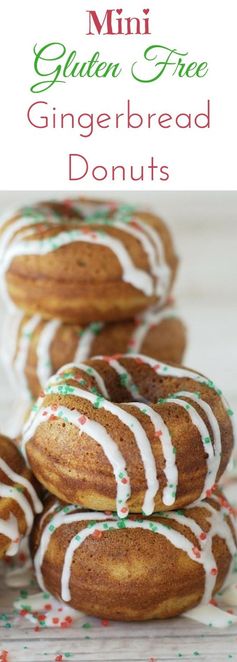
<point>41,347</point>
<point>129,433</point>
<point>18,498</point>
<point>138,568</point>
<point>82,261</point>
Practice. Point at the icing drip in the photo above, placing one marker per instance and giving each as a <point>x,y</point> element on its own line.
<point>89,371</point>
<point>125,377</point>
<point>131,274</point>
<point>9,528</point>
<point>12,242</point>
<point>203,556</point>
<point>206,441</point>
<point>84,347</point>
<point>44,366</point>
<point>218,527</point>
<point>21,480</point>
<point>145,322</point>
<point>13,493</point>
<point>170,469</point>
<point>211,615</point>
<point>164,369</point>
<point>149,238</point>
<point>214,426</point>
<point>23,349</point>
<point>138,432</point>
<point>59,385</point>
<point>101,436</point>
<point>13,232</point>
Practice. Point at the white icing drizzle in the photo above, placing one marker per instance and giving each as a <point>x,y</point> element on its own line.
<point>138,278</point>
<point>21,480</point>
<point>211,615</point>
<point>229,595</point>
<point>9,528</point>
<point>125,376</point>
<point>170,469</point>
<point>97,432</point>
<point>11,492</point>
<point>23,349</point>
<point>58,385</point>
<point>84,348</point>
<point>218,527</point>
<point>160,272</point>
<point>204,556</point>
<point>214,426</point>
<point>44,366</point>
<point>205,437</point>
<point>145,321</point>
<point>151,243</point>
<point>140,437</point>
<point>89,370</point>
<point>164,369</point>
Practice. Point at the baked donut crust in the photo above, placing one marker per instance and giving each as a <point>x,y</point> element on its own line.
<point>41,347</point>
<point>85,261</point>
<point>129,433</point>
<point>145,568</point>
<point>18,498</point>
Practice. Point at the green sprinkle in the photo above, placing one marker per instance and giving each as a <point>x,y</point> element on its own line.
<point>121,524</point>
<point>86,626</point>
<point>23,593</point>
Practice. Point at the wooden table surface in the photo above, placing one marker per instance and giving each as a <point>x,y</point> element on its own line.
<point>206,229</point>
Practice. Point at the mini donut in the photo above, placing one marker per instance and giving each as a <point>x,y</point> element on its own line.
<point>128,433</point>
<point>81,261</point>
<point>138,568</point>
<point>19,500</point>
<point>41,347</point>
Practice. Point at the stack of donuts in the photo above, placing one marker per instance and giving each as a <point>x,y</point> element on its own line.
<point>84,277</point>
<point>129,448</point>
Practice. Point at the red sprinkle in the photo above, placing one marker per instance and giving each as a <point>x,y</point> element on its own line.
<point>214,571</point>
<point>203,536</point>
<point>22,557</point>
<point>105,622</point>
<point>82,420</point>
<point>47,607</point>
<point>124,481</point>
<point>97,534</point>
<point>197,552</point>
<point>58,658</point>
<point>55,620</point>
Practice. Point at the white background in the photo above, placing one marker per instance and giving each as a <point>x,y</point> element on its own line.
<point>198,159</point>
